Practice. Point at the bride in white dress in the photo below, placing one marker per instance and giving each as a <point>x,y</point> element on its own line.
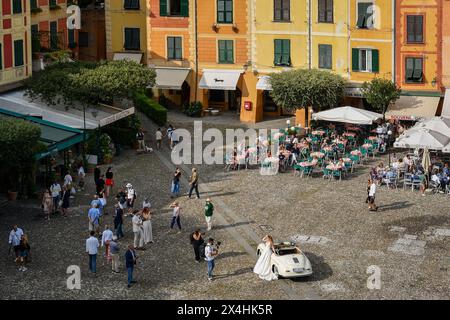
<point>263,266</point>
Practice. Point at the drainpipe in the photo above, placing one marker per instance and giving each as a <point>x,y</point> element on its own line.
<point>394,40</point>
<point>310,33</point>
<point>196,50</point>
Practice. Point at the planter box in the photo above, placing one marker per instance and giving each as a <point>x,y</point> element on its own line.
<point>12,195</point>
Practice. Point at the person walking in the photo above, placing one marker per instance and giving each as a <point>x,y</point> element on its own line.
<point>114,252</point>
<point>107,237</point>
<point>130,262</point>
<point>193,182</point>
<point>197,241</point>
<point>68,182</point>
<point>55,189</point>
<point>169,134</point>
<point>100,186</point>
<point>65,201</point>
<point>138,232</point>
<point>99,204</point>
<point>47,204</point>
<point>146,203</point>
<point>97,173</point>
<point>173,139</point>
<point>372,191</point>
<point>147,225</point>
<point>131,197</point>
<point>81,175</point>
<point>118,220</point>
<point>24,252</point>
<point>93,216</point>
<point>92,250</point>
<point>158,136</point>
<point>176,183</point>
<point>14,240</point>
<point>209,210</point>
<point>210,254</point>
<point>109,181</point>
<point>140,140</point>
<point>175,215</point>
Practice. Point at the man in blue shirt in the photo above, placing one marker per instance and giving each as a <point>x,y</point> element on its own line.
<point>130,261</point>
<point>99,205</point>
<point>93,216</point>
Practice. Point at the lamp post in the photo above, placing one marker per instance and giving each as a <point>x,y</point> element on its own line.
<point>84,135</point>
<point>94,113</point>
<point>389,133</point>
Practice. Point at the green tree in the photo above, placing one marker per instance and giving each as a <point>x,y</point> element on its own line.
<point>380,93</point>
<point>113,80</point>
<point>301,88</point>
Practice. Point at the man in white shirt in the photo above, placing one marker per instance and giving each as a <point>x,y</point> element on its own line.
<point>158,136</point>
<point>131,196</point>
<point>107,237</point>
<point>14,239</point>
<point>81,175</point>
<point>173,139</point>
<point>55,189</point>
<point>92,250</point>
<point>138,232</point>
<point>372,191</point>
<point>210,253</point>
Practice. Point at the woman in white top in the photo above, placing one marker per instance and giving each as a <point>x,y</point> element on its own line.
<point>263,266</point>
<point>147,225</point>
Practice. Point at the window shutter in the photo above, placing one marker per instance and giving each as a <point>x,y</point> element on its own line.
<point>277,52</point>
<point>419,28</point>
<point>355,59</point>
<point>329,17</point>
<point>170,48</point>
<point>17,6</point>
<point>286,59</point>
<point>1,62</point>
<point>222,56</point>
<point>18,53</point>
<point>329,57</point>
<point>136,39</point>
<point>163,8</point>
<point>375,61</point>
<point>185,8</point>
<point>230,51</point>
<point>178,48</point>
<point>286,10</point>
<point>322,10</point>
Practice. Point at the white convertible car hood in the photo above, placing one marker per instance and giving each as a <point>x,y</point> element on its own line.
<point>292,261</point>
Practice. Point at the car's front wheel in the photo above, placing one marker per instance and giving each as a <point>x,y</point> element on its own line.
<point>275,271</point>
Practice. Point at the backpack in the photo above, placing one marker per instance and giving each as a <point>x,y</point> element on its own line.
<point>202,250</point>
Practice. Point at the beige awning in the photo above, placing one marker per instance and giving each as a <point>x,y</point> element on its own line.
<point>413,107</point>
<point>264,83</point>
<point>171,78</point>
<point>215,79</point>
<point>446,107</point>
<point>136,57</point>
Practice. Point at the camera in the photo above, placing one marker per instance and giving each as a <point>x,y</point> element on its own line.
<point>218,243</point>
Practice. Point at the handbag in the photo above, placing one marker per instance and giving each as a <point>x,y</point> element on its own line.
<point>60,202</point>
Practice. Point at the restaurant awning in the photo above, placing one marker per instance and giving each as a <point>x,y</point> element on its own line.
<point>136,57</point>
<point>446,107</point>
<point>413,107</point>
<point>103,115</point>
<point>54,136</point>
<point>171,78</point>
<point>264,83</point>
<point>218,79</point>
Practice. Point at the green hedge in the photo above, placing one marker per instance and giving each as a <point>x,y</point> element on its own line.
<point>150,108</point>
<point>122,136</point>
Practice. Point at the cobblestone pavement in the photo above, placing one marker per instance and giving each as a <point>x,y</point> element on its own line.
<point>408,238</point>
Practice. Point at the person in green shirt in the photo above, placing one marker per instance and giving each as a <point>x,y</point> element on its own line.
<point>209,209</point>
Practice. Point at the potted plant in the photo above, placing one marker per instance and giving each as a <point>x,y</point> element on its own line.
<point>194,109</point>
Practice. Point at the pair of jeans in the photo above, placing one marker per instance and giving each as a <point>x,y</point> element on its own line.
<point>194,187</point>
<point>93,263</point>
<point>175,187</point>
<point>55,203</point>
<point>177,220</point>
<point>211,265</point>
<point>119,231</point>
<point>130,274</point>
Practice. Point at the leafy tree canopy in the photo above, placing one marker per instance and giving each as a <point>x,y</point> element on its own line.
<point>380,93</point>
<point>296,89</point>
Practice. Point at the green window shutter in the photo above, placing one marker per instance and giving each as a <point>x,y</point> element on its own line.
<point>375,60</point>
<point>277,52</point>
<point>170,48</point>
<point>163,8</point>
<point>53,35</point>
<point>178,48</point>
<point>1,62</point>
<point>17,6</point>
<point>185,8</point>
<point>230,54</point>
<point>286,59</point>
<point>71,37</point>
<point>18,53</point>
<point>33,4</point>
<point>355,59</point>
<point>222,55</point>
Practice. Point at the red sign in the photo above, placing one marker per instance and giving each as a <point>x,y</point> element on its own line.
<point>248,105</point>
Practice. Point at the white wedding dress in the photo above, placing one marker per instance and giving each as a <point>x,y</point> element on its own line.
<point>263,266</point>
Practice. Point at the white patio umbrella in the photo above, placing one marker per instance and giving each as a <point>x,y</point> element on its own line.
<point>348,115</point>
<point>439,124</point>
<point>422,138</point>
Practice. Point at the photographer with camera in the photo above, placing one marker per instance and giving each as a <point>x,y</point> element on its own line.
<point>211,252</point>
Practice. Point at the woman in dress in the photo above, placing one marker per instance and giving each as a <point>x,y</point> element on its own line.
<point>109,181</point>
<point>24,252</point>
<point>65,201</point>
<point>197,241</point>
<point>147,225</point>
<point>47,204</point>
<point>263,266</point>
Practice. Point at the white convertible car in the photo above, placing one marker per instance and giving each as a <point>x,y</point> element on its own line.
<point>288,261</point>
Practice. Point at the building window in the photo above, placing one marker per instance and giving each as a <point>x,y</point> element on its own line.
<point>131,5</point>
<point>414,70</point>
<point>132,39</point>
<point>52,3</point>
<point>17,6</point>
<point>1,61</point>
<point>282,56</point>
<point>18,53</point>
<point>225,11</point>
<point>365,15</point>
<point>35,39</point>
<point>53,35</point>
<point>83,39</point>
<point>174,48</point>
<point>414,28</point>
<point>226,51</point>
<point>33,4</point>
<point>282,10</point>
<point>365,60</point>
<point>176,8</point>
<point>325,56</point>
<point>326,11</point>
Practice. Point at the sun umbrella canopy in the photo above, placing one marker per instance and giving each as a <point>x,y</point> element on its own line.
<point>439,124</point>
<point>348,115</point>
<point>426,161</point>
<point>422,138</point>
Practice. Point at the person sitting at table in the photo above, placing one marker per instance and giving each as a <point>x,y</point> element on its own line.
<point>294,140</point>
<point>235,160</point>
<point>315,160</point>
<point>389,175</point>
<point>282,159</point>
<point>341,163</point>
<point>407,160</point>
<point>446,170</point>
<point>324,144</point>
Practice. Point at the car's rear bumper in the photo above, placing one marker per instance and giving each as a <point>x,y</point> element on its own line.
<point>293,274</point>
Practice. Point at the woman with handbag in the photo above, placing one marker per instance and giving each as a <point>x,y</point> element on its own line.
<point>47,204</point>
